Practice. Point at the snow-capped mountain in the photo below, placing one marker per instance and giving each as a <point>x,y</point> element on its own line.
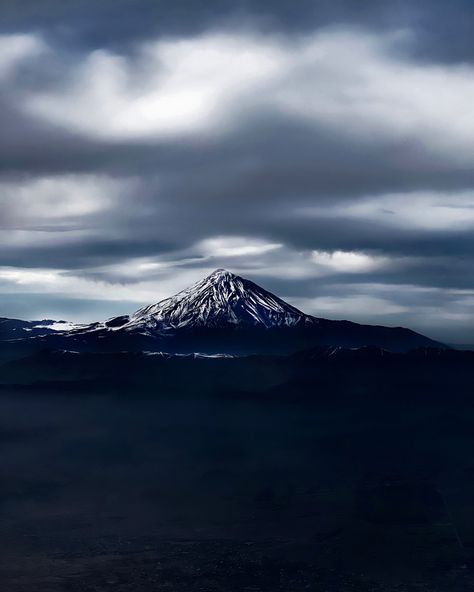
<point>220,300</point>
<point>222,314</point>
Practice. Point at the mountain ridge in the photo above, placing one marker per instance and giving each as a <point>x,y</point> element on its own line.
<point>225,313</point>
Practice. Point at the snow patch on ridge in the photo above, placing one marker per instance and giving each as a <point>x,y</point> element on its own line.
<point>58,326</point>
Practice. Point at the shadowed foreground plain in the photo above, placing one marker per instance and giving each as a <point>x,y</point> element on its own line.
<point>290,488</point>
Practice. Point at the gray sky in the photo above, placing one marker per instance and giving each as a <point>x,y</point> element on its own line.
<point>322,149</point>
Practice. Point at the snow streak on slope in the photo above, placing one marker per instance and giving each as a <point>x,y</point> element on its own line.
<point>219,300</point>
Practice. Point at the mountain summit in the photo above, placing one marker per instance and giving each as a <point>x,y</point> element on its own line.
<point>222,299</point>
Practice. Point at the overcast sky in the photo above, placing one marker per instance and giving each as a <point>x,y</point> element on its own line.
<point>323,149</point>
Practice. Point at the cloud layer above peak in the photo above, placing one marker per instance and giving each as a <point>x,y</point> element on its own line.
<point>352,83</point>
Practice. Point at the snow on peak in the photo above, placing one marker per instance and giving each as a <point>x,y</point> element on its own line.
<point>221,299</point>
<point>221,274</point>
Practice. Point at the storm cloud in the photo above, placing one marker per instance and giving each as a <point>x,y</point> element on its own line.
<point>327,153</point>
